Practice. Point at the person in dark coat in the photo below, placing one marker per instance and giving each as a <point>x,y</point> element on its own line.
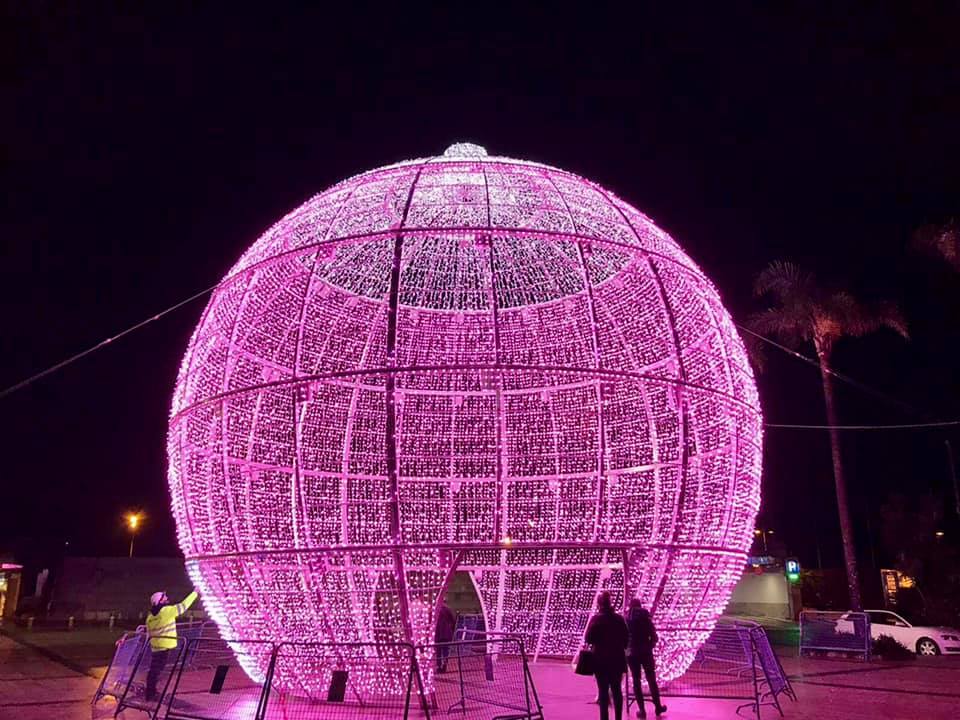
<point>446,625</point>
<point>643,637</point>
<point>607,633</point>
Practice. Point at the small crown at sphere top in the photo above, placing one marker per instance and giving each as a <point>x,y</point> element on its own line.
<point>465,150</point>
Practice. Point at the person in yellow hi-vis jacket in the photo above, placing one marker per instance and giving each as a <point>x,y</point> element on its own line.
<point>162,629</point>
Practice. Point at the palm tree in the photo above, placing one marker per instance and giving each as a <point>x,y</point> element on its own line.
<point>941,240</point>
<point>803,311</point>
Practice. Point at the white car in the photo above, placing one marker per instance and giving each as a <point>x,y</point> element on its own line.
<point>922,639</point>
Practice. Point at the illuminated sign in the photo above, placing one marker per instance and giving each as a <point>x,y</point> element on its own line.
<point>792,567</point>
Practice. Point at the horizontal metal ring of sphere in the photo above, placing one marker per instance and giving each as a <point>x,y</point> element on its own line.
<point>468,547</point>
<point>320,377</point>
<point>496,233</point>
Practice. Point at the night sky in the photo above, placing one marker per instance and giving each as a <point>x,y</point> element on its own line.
<point>142,153</point>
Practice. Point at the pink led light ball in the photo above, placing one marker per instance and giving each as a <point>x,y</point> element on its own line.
<point>463,363</point>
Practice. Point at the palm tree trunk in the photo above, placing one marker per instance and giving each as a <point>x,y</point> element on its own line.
<point>843,509</point>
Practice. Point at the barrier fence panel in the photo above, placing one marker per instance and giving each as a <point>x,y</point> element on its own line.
<point>134,667</point>
<point>735,662</point>
<point>775,680</point>
<point>207,678</point>
<point>344,681</point>
<point>120,670</point>
<point>210,681</point>
<point>480,676</point>
<point>484,677</point>
<point>467,624</point>
<point>843,632</point>
<point>723,668</point>
<point>150,679</point>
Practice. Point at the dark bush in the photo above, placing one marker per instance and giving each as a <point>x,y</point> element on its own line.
<point>889,649</point>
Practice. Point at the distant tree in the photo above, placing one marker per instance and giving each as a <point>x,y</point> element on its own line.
<point>908,532</point>
<point>802,311</point>
<point>908,529</point>
<point>941,240</point>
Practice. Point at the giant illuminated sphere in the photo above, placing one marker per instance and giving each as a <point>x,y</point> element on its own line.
<point>463,363</point>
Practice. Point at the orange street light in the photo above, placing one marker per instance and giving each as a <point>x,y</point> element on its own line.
<point>134,521</point>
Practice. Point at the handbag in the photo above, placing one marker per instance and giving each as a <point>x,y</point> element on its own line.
<point>585,662</point>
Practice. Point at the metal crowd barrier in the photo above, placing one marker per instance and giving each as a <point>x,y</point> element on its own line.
<point>133,666</point>
<point>120,670</point>
<point>209,682</point>
<point>309,681</point>
<point>481,675</point>
<point>208,678</point>
<point>735,662</point>
<point>469,623</point>
<point>775,680</point>
<point>838,632</point>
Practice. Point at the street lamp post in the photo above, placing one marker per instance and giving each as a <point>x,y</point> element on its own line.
<point>763,534</point>
<point>133,524</point>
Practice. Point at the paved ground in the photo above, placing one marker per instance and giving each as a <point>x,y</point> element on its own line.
<point>33,686</point>
<point>923,689</point>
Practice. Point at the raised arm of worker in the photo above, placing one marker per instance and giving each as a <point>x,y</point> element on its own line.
<point>184,605</point>
<point>162,620</point>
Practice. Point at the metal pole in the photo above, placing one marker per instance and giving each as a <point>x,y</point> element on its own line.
<point>873,544</point>
<point>753,662</point>
<point>953,476</point>
<point>131,547</point>
<point>816,538</point>
<point>421,689</point>
<point>262,703</point>
<point>390,436</point>
<point>406,699</point>
<point>533,687</point>
<point>526,679</point>
<point>625,562</point>
<point>178,666</point>
<point>463,688</point>
<point>144,647</point>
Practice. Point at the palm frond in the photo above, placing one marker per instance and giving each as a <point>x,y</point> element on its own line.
<point>889,315</point>
<point>787,323</point>
<point>941,240</point>
<point>784,281</point>
<point>843,314</point>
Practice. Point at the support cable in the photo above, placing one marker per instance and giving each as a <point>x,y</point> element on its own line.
<point>26,382</point>
<point>838,375</point>
<point>73,358</point>
<point>906,426</point>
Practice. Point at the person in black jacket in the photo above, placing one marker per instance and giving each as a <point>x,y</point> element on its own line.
<point>643,637</point>
<point>607,633</point>
<point>443,633</point>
